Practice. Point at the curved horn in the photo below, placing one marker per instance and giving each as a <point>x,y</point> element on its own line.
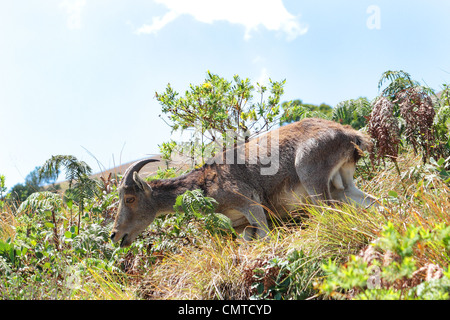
<point>135,167</point>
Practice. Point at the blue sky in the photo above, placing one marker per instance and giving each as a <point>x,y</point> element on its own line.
<point>79,75</point>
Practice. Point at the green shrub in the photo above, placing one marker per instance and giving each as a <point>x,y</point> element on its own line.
<point>284,278</point>
<point>391,267</point>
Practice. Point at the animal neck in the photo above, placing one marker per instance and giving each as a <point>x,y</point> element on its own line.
<point>165,191</point>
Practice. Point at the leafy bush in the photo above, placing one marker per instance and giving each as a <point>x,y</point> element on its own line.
<point>404,113</point>
<point>353,112</point>
<point>93,241</point>
<point>282,278</point>
<point>296,110</point>
<point>390,268</point>
<point>194,216</point>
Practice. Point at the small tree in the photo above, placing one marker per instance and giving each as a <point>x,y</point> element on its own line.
<point>77,174</point>
<point>403,109</point>
<point>218,105</point>
<point>42,210</point>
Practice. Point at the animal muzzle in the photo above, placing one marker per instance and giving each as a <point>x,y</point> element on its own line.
<point>123,238</point>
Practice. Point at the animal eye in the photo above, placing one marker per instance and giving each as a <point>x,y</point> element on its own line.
<point>129,200</point>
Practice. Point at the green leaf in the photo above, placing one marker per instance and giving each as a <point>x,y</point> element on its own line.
<point>49,225</point>
<point>260,288</point>
<point>68,234</point>
<point>393,194</point>
<point>4,247</point>
<point>12,254</point>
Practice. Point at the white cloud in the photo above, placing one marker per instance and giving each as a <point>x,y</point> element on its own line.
<point>251,14</point>
<point>158,23</point>
<point>73,10</point>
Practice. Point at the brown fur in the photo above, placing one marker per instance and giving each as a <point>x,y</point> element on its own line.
<point>316,162</point>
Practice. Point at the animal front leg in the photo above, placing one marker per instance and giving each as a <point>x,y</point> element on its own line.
<point>337,187</point>
<point>258,227</point>
<point>353,194</point>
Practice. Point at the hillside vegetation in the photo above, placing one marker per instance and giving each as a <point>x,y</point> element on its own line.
<point>56,246</point>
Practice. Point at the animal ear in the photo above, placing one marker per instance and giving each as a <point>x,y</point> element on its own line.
<point>141,183</point>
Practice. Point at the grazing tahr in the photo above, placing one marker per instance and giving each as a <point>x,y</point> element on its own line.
<point>311,160</point>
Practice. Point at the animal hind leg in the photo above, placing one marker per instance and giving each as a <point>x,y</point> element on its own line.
<point>317,189</point>
<point>313,176</point>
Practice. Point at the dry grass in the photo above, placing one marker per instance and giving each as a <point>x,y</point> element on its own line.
<point>101,285</point>
<point>211,271</point>
<point>219,268</point>
<point>7,223</point>
<point>222,268</point>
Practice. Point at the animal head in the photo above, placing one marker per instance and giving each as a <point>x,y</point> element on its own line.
<point>136,206</point>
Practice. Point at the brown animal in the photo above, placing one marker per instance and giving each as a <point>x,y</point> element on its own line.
<point>313,159</point>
